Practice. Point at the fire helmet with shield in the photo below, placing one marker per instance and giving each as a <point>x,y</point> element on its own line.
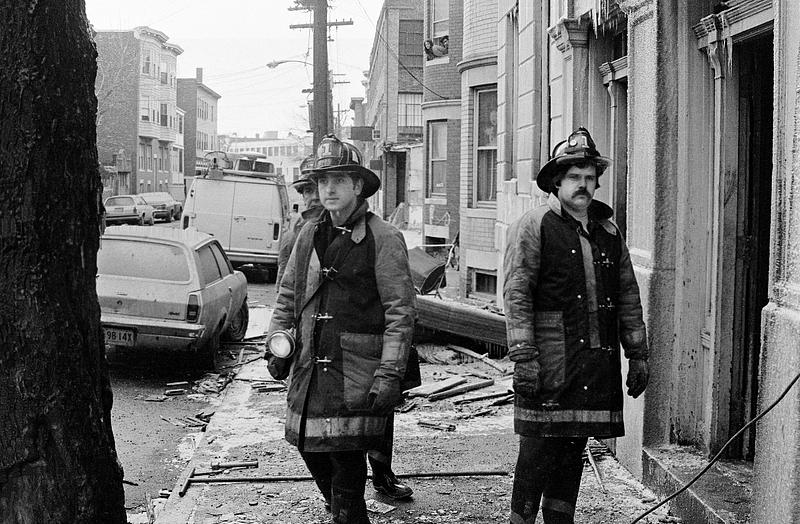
<point>306,168</point>
<point>578,148</point>
<point>333,156</point>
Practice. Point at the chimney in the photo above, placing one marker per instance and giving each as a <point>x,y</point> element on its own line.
<point>357,105</point>
<point>258,136</point>
<point>199,75</point>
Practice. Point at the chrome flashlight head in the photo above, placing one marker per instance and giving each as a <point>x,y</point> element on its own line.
<point>281,343</point>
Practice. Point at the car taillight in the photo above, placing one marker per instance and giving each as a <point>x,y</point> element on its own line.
<point>276,229</point>
<point>193,309</point>
<point>185,222</point>
<point>134,210</point>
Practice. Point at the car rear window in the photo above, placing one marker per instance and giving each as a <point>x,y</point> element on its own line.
<point>141,259</point>
<point>119,201</point>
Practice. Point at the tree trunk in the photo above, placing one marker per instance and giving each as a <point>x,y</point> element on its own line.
<point>58,462</point>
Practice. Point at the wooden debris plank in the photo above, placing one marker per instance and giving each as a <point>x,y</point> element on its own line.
<point>483,358</point>
<point>461,389</point>
<point>435,387</point>
<point>461,319</point>
<point>476,398</point>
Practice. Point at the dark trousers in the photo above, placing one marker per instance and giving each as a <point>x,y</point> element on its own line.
<point>549,471</point>
<point>340,476</point>
<point>380,458</point>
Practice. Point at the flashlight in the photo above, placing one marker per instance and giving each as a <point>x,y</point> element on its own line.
<point>281,343</point>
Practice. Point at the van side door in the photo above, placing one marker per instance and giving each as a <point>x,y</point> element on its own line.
<point>213,201</point>
<point>257,216</point>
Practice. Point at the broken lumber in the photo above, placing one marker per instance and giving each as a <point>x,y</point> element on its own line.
<point>476,398</point>
<point>435,387</point>
<point>483,358</point>
<point>461,319</point>
<point>461,389</point>
<point>441,426</point>
<point>239,464</point>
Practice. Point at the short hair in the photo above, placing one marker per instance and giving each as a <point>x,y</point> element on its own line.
<point>561,171</point>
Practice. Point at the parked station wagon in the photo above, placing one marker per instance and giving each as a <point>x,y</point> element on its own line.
<point>170,289</point>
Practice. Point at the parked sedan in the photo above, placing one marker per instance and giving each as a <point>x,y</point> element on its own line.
<point>128,209</point>
<point>170,289</point>
<point>164,206</point>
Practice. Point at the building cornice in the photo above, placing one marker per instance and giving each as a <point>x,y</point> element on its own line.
<point>175,48</point>
<point>478,61</point>
<point>744,17</point>
<point>616,70</point>
<point>568,33</point>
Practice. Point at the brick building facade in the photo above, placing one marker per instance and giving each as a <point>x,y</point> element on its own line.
<point>200,103</point>
<point>479,120</point>
<point>394,99</point>
<point>441,116</point>
<point>137,106</point>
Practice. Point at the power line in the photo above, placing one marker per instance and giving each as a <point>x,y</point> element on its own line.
<point>391,51</point>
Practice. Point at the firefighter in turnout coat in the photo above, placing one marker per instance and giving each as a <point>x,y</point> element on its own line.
<point>348,294</point>
<point>313,209</point>
<point>571,299</point>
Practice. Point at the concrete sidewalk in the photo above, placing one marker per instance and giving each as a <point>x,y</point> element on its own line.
<point>248,425</point>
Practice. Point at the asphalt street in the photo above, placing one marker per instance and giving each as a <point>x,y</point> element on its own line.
<point>153,440</point>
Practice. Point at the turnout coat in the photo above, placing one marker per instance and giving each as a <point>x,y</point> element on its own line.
<point>349,294</point>
<point>290,236</point>
<point>574,296</point>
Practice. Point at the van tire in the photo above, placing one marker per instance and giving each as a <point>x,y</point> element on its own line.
<point>238,325</point>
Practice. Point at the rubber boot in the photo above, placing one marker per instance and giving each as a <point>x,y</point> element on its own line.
<point>349,507</point>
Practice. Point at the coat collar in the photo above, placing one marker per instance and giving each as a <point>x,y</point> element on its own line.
<point>312,213</point>
<point>357,222</point>
<point>598,212</point>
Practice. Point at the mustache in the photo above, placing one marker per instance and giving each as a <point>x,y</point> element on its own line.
<point>581,192</point>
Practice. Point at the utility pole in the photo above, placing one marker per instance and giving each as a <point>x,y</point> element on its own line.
<point>321,86</point>
<point>321,121</point>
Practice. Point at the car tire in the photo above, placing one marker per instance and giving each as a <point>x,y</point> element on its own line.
<point>238,325</point>
<point>152,220</point>
<point>169,218</point>
<point>140,222</point>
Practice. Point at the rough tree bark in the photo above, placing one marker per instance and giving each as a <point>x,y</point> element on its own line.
<point>58,462</point>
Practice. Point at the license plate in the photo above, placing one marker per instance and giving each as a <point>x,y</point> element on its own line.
<point>119,209</point>
<point>119,337</point>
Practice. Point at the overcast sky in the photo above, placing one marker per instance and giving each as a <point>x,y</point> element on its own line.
<point>234,40</point>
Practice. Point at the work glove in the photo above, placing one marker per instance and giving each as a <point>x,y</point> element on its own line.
<point>384,395</point>
<point>638,375</point>
<point>526,378</point>
<point>278,367</point>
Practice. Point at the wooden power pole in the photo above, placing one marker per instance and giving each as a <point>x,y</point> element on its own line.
<point>321,109</point>
<point>321,85</point>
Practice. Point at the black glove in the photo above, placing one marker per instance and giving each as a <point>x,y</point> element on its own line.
<point>384,395</point>
<point>526,378</point>
<point>278,367</point>
<point>638,376</point>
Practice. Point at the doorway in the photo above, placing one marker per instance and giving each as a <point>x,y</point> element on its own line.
<point>754,76</point>
<point>400,188</point>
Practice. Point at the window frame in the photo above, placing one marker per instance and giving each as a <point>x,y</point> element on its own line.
<point>431,182</point>
<point>432,29</point>
<point>408,100</point>
<point>477,149</point>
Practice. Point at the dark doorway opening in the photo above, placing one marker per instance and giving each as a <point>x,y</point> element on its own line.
<point>754,58</point>
<point>400,190</point>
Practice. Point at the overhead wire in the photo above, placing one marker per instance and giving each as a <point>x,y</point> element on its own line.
<point>721,451</point>
<point>394,54</point>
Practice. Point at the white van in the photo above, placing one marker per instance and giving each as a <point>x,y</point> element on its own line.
<point>246,210</point>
